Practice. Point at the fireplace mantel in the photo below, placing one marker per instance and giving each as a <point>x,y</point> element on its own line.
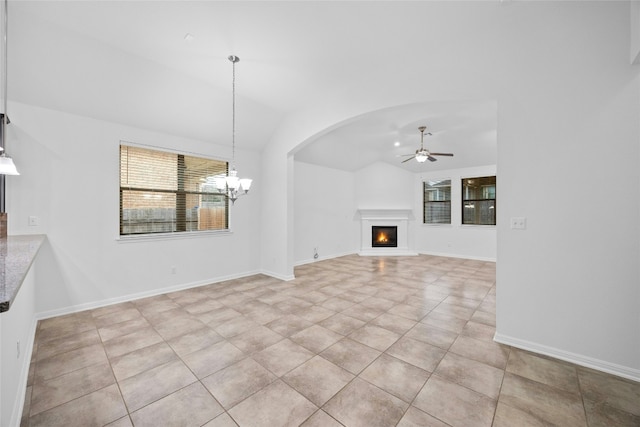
<point>400,214</point>
<point>385,217</point>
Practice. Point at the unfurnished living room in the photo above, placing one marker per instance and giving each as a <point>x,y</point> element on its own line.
<point>320,213</point>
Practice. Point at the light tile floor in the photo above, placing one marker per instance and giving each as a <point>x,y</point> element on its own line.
<point>353,341</point>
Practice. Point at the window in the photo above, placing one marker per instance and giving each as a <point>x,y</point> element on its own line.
<point>163,192</point>
<point>437,202</point>
<point>479,200</point>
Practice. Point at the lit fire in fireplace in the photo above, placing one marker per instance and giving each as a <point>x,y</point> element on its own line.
<point>382,237</point>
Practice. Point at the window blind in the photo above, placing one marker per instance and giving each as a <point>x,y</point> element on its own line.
<point>437,202</point>
<point>164,192</point>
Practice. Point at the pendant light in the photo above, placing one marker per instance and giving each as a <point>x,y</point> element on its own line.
<point>230,185</point>
<point>6,163</point>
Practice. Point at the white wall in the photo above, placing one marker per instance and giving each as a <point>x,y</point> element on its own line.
<point>568,129</point>
<point>383,186</point>
<point>568,284</point>
<point>324,212</point>
<point>69,180</point>
<point>326,201</point>
<point>455,239</point>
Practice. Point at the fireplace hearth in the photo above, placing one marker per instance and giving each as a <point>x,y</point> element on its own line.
<point>384,236</point>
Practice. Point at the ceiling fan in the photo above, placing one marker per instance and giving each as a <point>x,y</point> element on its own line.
<point>423,154</point>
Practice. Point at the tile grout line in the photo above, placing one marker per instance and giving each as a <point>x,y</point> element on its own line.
<point>330,280</point>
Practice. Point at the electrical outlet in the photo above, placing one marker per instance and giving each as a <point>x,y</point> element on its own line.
<point>518,223</point>
<point>34,221</point>
<point>174,270</point>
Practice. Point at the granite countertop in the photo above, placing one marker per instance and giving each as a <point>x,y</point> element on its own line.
<point>16,256</point>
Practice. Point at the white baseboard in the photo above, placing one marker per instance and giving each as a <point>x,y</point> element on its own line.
<point>578,359</point>
<point>387,252</point>
<point>443,254</point>
<point>279,276</point>
<point>322,258</point>
<point>139,295</point>
<point>408,253</point>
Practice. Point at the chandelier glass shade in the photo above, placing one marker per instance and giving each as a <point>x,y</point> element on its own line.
<point>231,185</point>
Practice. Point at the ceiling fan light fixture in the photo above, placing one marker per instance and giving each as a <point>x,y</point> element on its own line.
<point>421,157</point>
<point>422,154</point>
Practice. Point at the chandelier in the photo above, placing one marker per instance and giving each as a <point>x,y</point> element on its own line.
<point>230,185</point>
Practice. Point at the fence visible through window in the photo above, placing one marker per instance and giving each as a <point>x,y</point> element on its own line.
<point>165,192</point>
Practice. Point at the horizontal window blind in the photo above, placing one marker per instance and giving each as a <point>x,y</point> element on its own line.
<point>437,202</point>
<point>164,192</point>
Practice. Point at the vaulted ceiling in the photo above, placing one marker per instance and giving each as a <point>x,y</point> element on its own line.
<point>133,63</point>
<point>465,128</point>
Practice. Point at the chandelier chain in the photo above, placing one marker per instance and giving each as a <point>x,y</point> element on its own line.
<point>5,70</point>
<point>233,60</point>
<point>4,42</point>
<point>231,185</point>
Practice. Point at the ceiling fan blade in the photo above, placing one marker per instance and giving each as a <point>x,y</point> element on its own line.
<point>406,160</point>
<point>431,159</point>
<point>403,155</point>
<point>442,154</point>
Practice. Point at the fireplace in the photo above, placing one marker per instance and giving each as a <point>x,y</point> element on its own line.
<point>384,236</point>
<point>394,223</point>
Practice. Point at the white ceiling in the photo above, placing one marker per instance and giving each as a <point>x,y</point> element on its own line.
<point>128,62</point>
<point>466,129</point>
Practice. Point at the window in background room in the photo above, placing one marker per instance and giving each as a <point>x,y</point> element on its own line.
<point>479,200</point>
<point>437,202</point>
<point>165,192</point>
